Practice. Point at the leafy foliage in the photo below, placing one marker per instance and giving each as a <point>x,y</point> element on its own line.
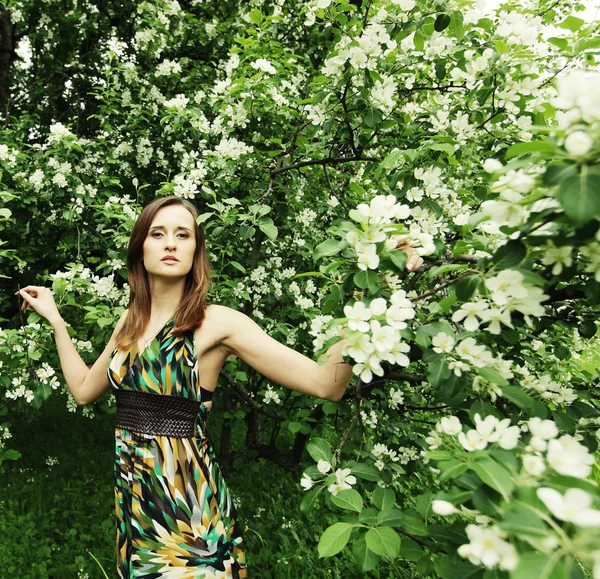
<point>308,133</point>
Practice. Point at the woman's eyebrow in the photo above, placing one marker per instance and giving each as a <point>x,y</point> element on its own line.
<point>163,227</point>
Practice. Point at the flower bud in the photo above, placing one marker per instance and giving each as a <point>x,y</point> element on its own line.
<point>443,508</point>
<point>578,144</point>
<point>492,166</point>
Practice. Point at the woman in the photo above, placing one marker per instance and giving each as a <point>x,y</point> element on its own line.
<point>175,517</point>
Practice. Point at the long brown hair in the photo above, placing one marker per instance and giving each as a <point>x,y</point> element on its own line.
<point>192,308</point>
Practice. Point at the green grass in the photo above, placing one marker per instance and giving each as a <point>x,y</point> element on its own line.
<point>54,520</point>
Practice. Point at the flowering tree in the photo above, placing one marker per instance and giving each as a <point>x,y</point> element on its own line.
<point>309,133</point>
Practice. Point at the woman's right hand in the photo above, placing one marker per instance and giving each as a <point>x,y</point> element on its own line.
<point>41,300</point>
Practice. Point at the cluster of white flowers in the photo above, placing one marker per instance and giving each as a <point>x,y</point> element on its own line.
<point>343,478</point>
<point>395,398</point>
<point>578,95</point>
<point>508,293</point>
<point>8,155</point>
<point>376,219</point>
<point>271,395</point>
<point>178,102</point>
<point>373,336</point>
<point>487,547</point>
<point>47,375</point>
<point>369,419</point>
<point>361,53</point>
<point>469,354</point>
<point>488,430</point>
<point>231,148</point>
<point>572,507</point>
<point>20,392</point>
<point>384,455</point>
<point>58,132</point>
<point>52,461</point>
<point>546,387</point>
<point>512,187</point>
<point>383,93</point>
<point>167,68</point>
<point>185,186</point>
<point>264,65</point>
<point>37,179</point>
<point>566,455</point>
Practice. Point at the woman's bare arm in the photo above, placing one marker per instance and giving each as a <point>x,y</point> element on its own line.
<point>279,363</point>
<point>86,384</point>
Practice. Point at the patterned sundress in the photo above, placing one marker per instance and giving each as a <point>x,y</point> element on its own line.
<point>175,517</point>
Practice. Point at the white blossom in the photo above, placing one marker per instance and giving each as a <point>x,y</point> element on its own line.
<point>573,506</point>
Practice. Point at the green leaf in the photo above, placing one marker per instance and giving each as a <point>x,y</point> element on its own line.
<point>366,472</point>
<point>510,254</point>
<point>440,269</point>
<point>530,147</point>
<point>390,518</point>
<point>399,259</point>
<point>294,427</point>
<point>5,213</point>
<point>587,328</point>
<point>579,195</point>
<point>268,228</point>
<point>494,475</point>
<point>437,372</point>
<point>367,280</point>
<point>492,376</point>
<point>572,23</point>
<point>534,565</point>
<point>419,41</point>
<point>522,521</point>
<point>561,43</point>
<point>415,526</point>
<point>320,449</point>
<point>11,454</point>
<point>365,558</point>
<point>391,159</point>
<point>327,248</point>
<point>518,396</point>
<point>383,498</point>
<point>368,516</point>
<point>383,541</point>
<point>246,232</point>
<point>238,266</point>
<point>308,502</point>
<point>441,22</point>
<point>256,16</point>
<point>466,287</point>
<point>556,173</point>
<point>348,499</point>
<point>334,539</point>
<point>372,117</point>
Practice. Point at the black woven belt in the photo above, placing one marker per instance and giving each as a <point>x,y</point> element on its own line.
<point>157,414</point>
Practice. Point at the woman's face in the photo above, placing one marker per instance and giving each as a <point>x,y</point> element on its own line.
<point>170,243</point>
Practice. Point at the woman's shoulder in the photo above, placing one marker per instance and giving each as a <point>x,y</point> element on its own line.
<point>219,313</point>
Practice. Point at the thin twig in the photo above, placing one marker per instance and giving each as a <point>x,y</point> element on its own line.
<point>441,286</point>
<point>328,161</point>
<point>248,399</point>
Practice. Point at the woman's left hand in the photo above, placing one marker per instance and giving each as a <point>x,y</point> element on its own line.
<point>414,261</point>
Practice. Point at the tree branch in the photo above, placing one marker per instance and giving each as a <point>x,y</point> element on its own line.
<point>249,400</point>
<point>328,161</point>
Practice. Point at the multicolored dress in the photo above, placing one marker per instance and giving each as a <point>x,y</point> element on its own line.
<point>175,517</point>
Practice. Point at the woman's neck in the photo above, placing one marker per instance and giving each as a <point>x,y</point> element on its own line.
<point>165,295</point>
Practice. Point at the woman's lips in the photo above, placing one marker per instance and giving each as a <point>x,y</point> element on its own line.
<point>170,259</point>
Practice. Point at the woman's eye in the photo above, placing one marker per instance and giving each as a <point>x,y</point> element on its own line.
<point>183,235</point>
<point>156,233</point>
